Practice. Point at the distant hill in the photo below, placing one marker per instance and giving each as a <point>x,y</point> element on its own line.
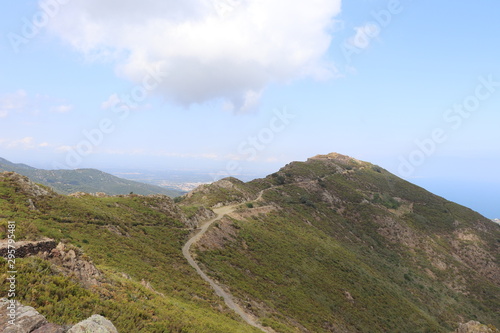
<point>84,180</point>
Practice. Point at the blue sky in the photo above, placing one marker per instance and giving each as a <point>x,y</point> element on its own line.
<point>240,87</point>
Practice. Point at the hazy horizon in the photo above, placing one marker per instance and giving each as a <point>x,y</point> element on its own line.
<point>480,197</point>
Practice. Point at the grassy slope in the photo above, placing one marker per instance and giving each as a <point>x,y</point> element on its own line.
<point>301,262</point>
<point>150,249</point>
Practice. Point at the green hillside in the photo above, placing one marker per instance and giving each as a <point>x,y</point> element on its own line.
<point>84,180</point>
<point>338,245</point>
<point>328,245</point>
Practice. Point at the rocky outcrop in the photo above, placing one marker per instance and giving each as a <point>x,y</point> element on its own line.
<point>474,327</point>
<point>28,248</point>
<point>25,319</point>
<point>336,157</point>
<point>201,215</point>
<point>50,328</point>
<point>94,324</point>
<point>167,206</point>
<point>78,194</point>
<point>397,232</point>
<point>470,250</point>
<point>19,318</point>
<point>223,192</point>
<point>216,238</point>
<point>25,185</point>
<point>83,194</point>
<point>72,262</point>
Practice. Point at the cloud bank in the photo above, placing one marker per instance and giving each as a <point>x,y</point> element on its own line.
<point>20,102</point>
<point>12,102</point>
<point>209,49</point>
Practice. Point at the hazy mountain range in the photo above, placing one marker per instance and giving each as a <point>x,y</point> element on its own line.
<point>85,180</point>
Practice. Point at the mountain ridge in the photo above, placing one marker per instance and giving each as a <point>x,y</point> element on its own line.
<point>84,180</point>
<point>332,244</point>
<point>381,209</point>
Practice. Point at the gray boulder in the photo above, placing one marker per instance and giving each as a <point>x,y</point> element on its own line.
<point>473,327</point>
<point>25,319</point>
<point>19,319</point>
<point>50,328</point>
<point>94,324</point>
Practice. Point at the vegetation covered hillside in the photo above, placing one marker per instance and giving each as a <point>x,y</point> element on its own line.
<point>135,242</point>
<point>338,245</point>
<point>328,245</point>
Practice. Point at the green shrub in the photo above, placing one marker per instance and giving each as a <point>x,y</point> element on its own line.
<point>386,201</point>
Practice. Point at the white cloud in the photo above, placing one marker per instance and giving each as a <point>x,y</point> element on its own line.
<point>25,143</point>
<point>22,102</point>
<point>161,153</point>
<point>110,102</point>
<point>364,35</point>
<point>114,102</point>
<point>16,101</point>
<point>62,108</point>
<point>210,156</point>
<point>248,101</point>
<point>64,149</point>
<point>208,48</point>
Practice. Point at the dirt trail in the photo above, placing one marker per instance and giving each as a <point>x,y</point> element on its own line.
<point>228,298</point>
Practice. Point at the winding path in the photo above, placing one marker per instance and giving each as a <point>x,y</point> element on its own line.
<point>228,298</point>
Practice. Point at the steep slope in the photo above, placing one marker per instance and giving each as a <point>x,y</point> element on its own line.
<point>84,180</point>
<point>339,245</point>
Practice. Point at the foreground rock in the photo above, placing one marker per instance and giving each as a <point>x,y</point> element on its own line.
<point>50,328</point>
<point>19,318</point>
<point>28,320</point>
<point>94,324</point>
<point>475,327</point>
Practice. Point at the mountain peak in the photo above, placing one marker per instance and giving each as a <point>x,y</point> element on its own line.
<point>336,157</point>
